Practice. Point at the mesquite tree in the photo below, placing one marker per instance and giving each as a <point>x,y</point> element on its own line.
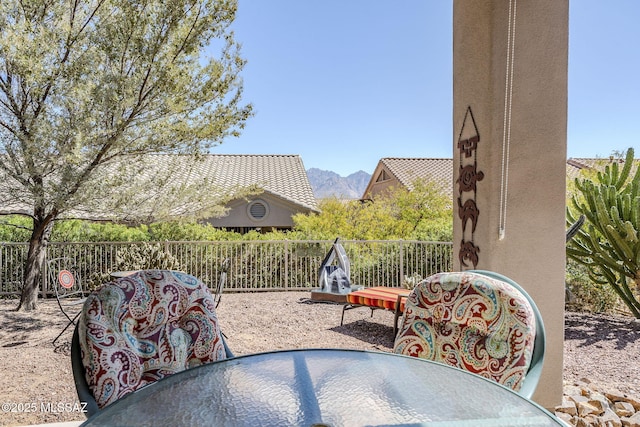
<point>609,242</point>
<point>91,88</point>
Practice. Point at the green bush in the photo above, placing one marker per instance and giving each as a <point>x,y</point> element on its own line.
<point>583,294</point>
<point>139,257</point>
<point>190,231</point>
<point>424,213</point>
<point>87,231</point>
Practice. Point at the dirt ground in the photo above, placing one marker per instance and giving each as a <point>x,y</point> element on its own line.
<point>36,384</point>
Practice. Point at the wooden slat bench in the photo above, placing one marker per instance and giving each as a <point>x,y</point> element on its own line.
<point>378,297</point>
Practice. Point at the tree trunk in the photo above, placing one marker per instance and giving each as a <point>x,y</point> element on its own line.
<point>35,262</point>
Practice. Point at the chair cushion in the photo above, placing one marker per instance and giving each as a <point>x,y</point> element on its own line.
<point>378,297</point>
<point>472,322</point>
<point>141,328</point>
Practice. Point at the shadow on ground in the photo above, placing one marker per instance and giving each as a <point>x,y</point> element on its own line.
<point>18,327</point>
<point>591,329</point>
<point>379,335</point>
<point>14,321</point>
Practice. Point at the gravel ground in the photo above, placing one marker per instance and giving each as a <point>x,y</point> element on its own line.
<point>36,384</point>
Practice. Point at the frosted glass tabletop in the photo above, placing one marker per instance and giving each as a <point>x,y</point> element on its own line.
<point>324,387</point>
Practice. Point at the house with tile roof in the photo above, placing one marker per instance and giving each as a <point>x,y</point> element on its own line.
<point>402,172</point>
<point>394,172</point>
<point>283,180</point>
<point>283,188</point>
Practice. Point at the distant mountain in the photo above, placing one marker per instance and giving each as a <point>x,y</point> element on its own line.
<point>327,184</point>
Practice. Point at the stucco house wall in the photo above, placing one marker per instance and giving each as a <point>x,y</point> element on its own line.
<point>264,212</point>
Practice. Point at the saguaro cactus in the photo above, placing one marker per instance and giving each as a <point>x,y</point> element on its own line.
<point>609,241</point>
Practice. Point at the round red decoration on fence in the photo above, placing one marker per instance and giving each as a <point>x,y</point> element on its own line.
<point>66,280</point>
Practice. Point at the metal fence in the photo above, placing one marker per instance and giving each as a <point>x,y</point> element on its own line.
<point>254,265</point>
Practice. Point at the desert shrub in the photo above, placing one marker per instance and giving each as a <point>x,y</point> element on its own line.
<point>583,294</point>
<point>139,257</point>
<point>191,231</point>
<point>410,282</point>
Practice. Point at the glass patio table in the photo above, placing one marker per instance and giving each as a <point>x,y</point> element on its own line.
<point>322,387</point>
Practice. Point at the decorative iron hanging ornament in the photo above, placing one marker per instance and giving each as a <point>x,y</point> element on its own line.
<point>468,177</point>
<point>466,212</point>
<point>468,251</point>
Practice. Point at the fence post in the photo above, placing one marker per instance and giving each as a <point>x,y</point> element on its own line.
<point>401,261</point>
<point>286,264</point>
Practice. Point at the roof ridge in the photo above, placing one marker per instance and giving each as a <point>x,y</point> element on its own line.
<point>418,158</point>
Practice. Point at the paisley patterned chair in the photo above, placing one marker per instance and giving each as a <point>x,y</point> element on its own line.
<point>478,321</point>
<point>140,328</point>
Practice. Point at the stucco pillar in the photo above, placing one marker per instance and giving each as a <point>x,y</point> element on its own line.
<point>509,149</point>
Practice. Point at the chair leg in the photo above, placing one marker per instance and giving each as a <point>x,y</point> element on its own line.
<point>397,313</point>
<point>71,322</point>
<point>344,307</point>
<point>62,309</point>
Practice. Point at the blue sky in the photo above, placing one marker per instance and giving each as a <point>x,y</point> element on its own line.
<point>346,83</point>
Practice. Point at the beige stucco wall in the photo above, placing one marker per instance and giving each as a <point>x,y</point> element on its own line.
<point>532,251</point>
<point>375,188</point>
<point>279,213</point>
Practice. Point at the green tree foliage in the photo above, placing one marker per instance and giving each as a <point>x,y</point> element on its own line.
<point>86,231</point>
<point>188,231</point>
<point>609,242</point>
<point>15,228</point>
<point>89,89</point>
<point>424,213</point>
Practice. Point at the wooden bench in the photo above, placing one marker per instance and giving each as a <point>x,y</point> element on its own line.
<point>378,297</point>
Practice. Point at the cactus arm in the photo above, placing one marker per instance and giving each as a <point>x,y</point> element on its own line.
<point>626,169</point>
<point>613,177</point>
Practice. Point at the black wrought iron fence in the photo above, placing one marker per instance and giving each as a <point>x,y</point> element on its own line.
<point>254,265</point>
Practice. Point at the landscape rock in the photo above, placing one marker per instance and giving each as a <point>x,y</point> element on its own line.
<point>586,408</point>
<point>585,405</point>
<point>634,420</point>
<point>610,418</point>
<point>624,409</point>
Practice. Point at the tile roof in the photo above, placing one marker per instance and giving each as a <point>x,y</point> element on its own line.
<point>283,176</point>
<point>280,175</point>
<point>407,170</point>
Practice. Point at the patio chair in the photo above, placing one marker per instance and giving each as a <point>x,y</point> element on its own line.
<point>67,286</point>
<point>479,321</point>
<point>141,328</point>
